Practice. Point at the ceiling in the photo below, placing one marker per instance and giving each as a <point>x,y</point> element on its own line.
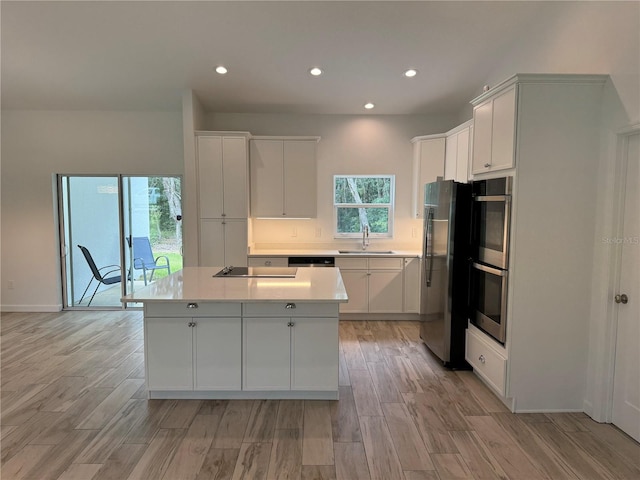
<point>90,55</point>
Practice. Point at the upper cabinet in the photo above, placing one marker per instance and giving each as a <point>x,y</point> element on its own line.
<point>494,125</point>
<point>428,165</point>
<point>223,176</point>
<point>457,153</point>
<point>283,177</point>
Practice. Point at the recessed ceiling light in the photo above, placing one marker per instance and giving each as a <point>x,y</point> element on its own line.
<point>410,73</point>
<point>221,69</point>
<point>369,106</point>
<point>315,71</point>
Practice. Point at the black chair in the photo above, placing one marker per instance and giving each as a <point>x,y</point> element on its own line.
<point>98,275</point>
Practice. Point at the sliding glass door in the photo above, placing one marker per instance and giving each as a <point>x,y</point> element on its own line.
<point>118,233</point>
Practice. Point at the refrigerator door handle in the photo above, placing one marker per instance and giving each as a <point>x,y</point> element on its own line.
<point>428,247</point>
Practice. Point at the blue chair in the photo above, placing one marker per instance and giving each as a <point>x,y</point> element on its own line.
<point>144,260</point>
<point>98,274</point>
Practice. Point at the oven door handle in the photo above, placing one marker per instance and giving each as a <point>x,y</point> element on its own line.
<point>493,271</point>
<point>492,198</point>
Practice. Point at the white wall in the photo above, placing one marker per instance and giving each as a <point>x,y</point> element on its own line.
<point>350,144</point>
<point>38,144</point>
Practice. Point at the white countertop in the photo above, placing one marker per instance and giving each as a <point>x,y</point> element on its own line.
<point>197,284</point>
<point>332,253</point>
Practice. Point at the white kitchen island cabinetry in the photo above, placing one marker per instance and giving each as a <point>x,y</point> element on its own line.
<point>428,165</point>
<point>242,337</point>
<point>222,164</point>
<point>193,346</point>
<point>283,177</point>
<point>290,346</point>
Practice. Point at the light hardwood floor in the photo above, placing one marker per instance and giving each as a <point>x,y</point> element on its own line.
<point>74,408</point>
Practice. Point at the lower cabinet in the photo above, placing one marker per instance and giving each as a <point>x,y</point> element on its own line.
<point>488,359</point>
<point>412,284</point>
<point>374,285</point>
<point>237,349</point>
<point>199,353</point>
<point>296,352</point>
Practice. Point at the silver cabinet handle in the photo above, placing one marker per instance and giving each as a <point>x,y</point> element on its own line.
<point>481,358</point>
<point>191,324</point>
<point>290,306</point>
<point>290,324</point>
<point>624,299</point>
<point>487,165</point>
<point>192,305</point>
<point>268,263</point>
<point>224,214</point>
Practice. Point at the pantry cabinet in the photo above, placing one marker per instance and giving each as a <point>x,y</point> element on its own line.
<point>428,165</point>
<point>222,165</point>
<point>283,177</point>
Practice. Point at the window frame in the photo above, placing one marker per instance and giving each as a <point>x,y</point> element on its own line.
<point>389,206</point>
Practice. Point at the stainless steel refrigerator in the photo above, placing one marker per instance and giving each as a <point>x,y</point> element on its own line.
<point>445,270</point>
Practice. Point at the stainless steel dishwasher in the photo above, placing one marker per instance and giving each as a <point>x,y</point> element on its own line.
<point>312,261</point>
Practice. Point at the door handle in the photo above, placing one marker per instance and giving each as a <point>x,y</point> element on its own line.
<point>622,298</point>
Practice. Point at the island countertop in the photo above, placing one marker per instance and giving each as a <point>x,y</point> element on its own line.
<point>198,284</point>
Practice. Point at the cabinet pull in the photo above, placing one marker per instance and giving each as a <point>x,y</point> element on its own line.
<point>487,165</point>
<point>290,324</point>
<point>481,358</point>
<point>290,306</point>
<point>224,214</point>
<point>268,263</point>
<point>192,305</point>
<point>190,324</point>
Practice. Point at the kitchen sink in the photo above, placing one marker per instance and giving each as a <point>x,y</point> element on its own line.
<point>366,252</point>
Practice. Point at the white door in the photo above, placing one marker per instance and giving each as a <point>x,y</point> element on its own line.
<point>385,291</point>
<point>266,353</point>
<point>212,239</point>
<point>235,173</point>
<point>218,360</point>
<point>300,174</point>
<point>626,388</point>
<point>314,364</point>
<point>210,177</point>
<point>169,353</point>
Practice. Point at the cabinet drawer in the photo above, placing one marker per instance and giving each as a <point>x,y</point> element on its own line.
<point>486,361</point>
<point>352,263</point>
<point>268,261</point>
<point>279,309</point>
<point>385,263</point>
<point>182,309</point>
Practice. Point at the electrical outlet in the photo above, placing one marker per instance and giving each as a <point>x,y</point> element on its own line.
<point>11,284</point>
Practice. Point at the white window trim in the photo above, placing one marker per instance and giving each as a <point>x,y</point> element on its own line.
<point>390,206</point>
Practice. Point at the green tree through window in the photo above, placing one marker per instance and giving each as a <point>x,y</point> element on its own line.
<point>363,201</point>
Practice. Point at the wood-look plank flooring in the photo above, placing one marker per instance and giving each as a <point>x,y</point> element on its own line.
<point>74,408</point>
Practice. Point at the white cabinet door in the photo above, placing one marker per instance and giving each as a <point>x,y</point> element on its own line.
<point>494,123</point>
<point>504,129</point>
<point>314,351</point>
<point>299,165</point>
<point>236,177</point>
<point>235,242</point>
<point>212,243</point>
<point>482,128</point>
<point>223,242</point>
<point>451,157</point>
<point>462,156</point>
<point>169,353</point>
<point>357,287</point>
<point>210,177</point>
<point>428,165</point>
<point>217,355</point>
<point>267,177</point>
<point>412,285</point>
<point>266,353</point>
<point>385,291</point>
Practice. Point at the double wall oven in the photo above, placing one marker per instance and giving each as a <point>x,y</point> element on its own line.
<point>489,262</point>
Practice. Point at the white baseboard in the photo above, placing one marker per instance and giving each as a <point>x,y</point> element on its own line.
<point>31,308</point>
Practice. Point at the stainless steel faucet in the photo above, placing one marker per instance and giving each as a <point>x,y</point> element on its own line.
<point>365,237</point>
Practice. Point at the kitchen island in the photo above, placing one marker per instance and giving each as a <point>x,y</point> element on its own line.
<point>242,337</point>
